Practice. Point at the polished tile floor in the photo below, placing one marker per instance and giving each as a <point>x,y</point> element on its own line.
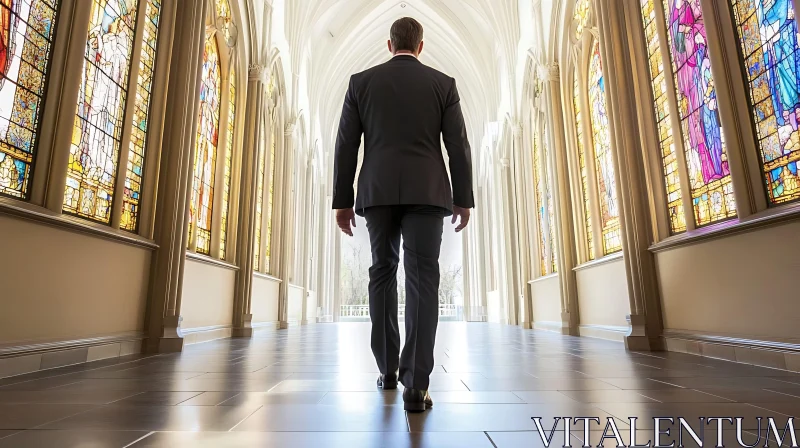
<point>315,387</point>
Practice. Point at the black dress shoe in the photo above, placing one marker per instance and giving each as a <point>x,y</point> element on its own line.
<point>415,400</point>
<point>387,382</point>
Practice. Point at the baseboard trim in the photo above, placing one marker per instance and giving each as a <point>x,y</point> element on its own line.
<point>544,325</point>
<point>32,357</point>
<point>775,353</point>
<point>206,334</point>
<point>608,332</point>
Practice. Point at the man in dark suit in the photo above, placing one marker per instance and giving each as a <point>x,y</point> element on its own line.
<point>404,110</point>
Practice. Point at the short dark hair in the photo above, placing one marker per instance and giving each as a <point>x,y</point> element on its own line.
<point>406,34</point>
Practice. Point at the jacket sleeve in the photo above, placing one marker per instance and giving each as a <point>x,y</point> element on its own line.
<point>454,134</point>
<point>346,155</point>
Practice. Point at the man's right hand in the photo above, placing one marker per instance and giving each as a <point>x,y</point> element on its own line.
<point>464,214</point>
<point>345,218</point>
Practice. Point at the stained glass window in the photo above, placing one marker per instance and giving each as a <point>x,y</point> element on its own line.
<point>226,185</point>
<point>271,196</point>
<point>581,16</point>
<point>224,15</point>
<point>27,28</point>
<point>604,161</point>
<point>587,208</point>
<point>551,223</point>
<point>97,133</point>
<point>133,180</point>
<point>206,148</point>
<point>541,206</point>
<point>768,37</point>
<point>259,202</point>
<point>706,156</point>
<point>669,160</point>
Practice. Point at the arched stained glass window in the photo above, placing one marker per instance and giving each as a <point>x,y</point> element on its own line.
<point>539,197</point>
<point>587,208</point>
<point>270,198</point>
<point>224,15</point>
<point>226,185</point>
<point>259,202</point>
<point>97,134</point>
<point>768,38</point>
<point>27,29</point>
<point>581,16</point>
<point>206,148</point>
<point>135,170</point>
<point>706,156</point>
<point>669,161</point>
<point>604,161</point>
<point>551,223</point>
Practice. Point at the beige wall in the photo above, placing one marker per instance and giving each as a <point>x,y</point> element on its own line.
<point>296,303</point>
<point>745,285</point>
<point>603,294</point>
<point>207,295</point>
<point>62,285</point>
<point>264,306</point>
<point>546,296</point>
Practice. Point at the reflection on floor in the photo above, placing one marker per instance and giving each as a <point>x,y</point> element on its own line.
<point>315,387</point>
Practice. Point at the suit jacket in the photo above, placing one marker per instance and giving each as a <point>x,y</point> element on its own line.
<point>404,109</point>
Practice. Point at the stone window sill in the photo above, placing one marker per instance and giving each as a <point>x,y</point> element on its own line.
<point>200,258</point>
<point>600,261</point>
<point>41,215</point>
<point>768,218</point>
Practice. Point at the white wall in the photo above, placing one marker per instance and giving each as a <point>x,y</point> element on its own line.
<point>264,305</point>
<point>603,294</point>
<point>744,285</point>
<point>62,285</point>
<point>207,296</point>
<point>546,298</point>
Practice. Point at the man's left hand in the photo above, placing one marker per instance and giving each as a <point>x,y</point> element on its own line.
<point>345,218</point>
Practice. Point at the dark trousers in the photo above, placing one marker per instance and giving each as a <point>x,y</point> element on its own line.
<point>421,231</point>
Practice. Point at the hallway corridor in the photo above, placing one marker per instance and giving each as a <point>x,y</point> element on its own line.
<point>314,386</point>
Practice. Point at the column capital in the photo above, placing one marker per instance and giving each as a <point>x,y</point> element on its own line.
<point>257,72</point>
<point>516,128</point>
<point>288,131</point>
<point>505,162</point>
<point>549,72</point>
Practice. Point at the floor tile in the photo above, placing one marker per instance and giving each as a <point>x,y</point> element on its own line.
<point>608,396</point>
<point>64,397</point>
<point>302,418</point>
<point>543,396</point>
<point>157,399</point>
<point>156,418</point>
<point>71,439</point>
<point>262,398</point>
<point>754,396</point>
<point>27,416</point>
<point>683,396</point>
<point>528,439</point>
<point>209,399</point>
<point>317,439</point>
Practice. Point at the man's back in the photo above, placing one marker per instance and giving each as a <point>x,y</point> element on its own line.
<point>404,109</point>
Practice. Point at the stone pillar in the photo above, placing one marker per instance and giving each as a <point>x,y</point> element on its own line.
<point>166,276</point>
<point>286,218</point>
<point>522,240</point>
<point>645,307</point>
<point>562,195</point>
<point>245,250</point>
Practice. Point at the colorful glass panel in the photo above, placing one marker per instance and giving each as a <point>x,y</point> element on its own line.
<point>768,37</point>
<point>136,155</point>
<point>259,202</point>
<point>551,223</point>
<point>270,198</point>
<point>206,148</point>
<point>581,16</point>
<point>604,160</point>
<point>27,29</point>
<point>541,206</point>
<point>226,185</point>
<point>587,207</point>
<point>224,15</point>
<point>706,155</point>
<point>669,160</point>
<point>97,132</point>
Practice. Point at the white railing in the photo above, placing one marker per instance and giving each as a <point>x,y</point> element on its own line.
<point>362,311</point>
